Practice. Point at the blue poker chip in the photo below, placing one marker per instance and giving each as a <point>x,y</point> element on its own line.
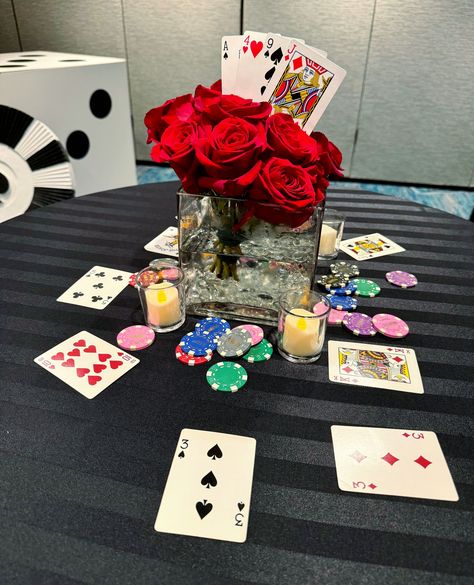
<point>197,344</point>
<point>347,290</point>
<point>342,303</point>
<point>213,326</point>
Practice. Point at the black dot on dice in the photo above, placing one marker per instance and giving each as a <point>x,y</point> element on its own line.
<point>100,103</point>
<point>4,184</point>
<point>77,144</point>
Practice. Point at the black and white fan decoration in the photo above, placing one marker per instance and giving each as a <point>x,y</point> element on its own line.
<point>34,167</point>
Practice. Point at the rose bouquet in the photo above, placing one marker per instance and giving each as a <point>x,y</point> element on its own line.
<point>234,148</point>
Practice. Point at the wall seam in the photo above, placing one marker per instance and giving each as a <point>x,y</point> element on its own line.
<point>125,46</point>
<point>242,17</point>
<point>16,26</point>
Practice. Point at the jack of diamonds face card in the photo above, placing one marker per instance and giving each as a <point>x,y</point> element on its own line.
<point>209,486</point>
<point>370,246</point>
<point>97,288</point>
<point>86,363</point>
<point>375,366</point>
<point>393,462</point>
<point>303,85</point>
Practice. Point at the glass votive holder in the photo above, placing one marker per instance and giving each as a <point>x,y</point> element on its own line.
<point>331,234</point>
<point>302,323</point>
<point>162,295</point>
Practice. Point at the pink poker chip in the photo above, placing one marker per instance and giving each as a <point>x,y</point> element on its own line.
<point>401,279</point>
<point>256,332</point>
<point>335,317</point>
<point>359,324</point>
<point>320,308</point>
<point>135,337</point>
<point>390,325</point>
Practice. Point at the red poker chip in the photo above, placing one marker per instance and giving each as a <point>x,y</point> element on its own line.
<point>189,360</point>
<point>148,277</point>
<point>132,280</point>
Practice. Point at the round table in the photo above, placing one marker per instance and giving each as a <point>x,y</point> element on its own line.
<point>81,480</point>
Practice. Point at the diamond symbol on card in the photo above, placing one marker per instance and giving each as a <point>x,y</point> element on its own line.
<point>390,459</point>
<point>297,63</point>
<point>423,461</point>
<point>397,359</point>
<point>406,435</point>
<point>347,369</point>
<point>358,456</point>
<point>372,486</point>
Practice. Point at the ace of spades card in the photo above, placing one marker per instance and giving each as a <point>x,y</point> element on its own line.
<point>97,288</point>
<point>230,55</point>
<point>375,366</point>
<point>393,462</point>
<point>370,246</point>
<point>86,363</point>
<point>209,486</point>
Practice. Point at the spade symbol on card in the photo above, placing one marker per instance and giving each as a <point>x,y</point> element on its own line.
<point>181,455</point>
<point>203,509</point>
<point>262,89</point>
<point>215,452</point>
<point>269,73</point>
<point>266,54</point>
<point>226,56</point>
<point>209,480</point>
<point>277,56</point>
<point>241,506</point>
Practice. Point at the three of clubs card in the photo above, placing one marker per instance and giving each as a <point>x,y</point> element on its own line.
<point>377,366</point>
<point>97,288</point>
<point>86,363</point>
<point>209,486</point>
<point>370,246</point>
<point>392,462</point>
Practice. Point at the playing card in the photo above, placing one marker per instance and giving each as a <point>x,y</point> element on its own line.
<point>303,85</point>
<point>209,486</point>
<point>230,55</point>
<point>246,82</point>
<point>97,288</point>
<point>165,243</point>
<point>393,462</point>
<point>86,363</point>
<point>370,246</point>
<point>375,366</point>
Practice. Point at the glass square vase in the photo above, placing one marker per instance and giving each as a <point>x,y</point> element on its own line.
<point>240,274</point>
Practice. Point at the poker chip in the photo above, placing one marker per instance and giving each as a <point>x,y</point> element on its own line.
<point>320,308</point>
<point>135,337</point>
<point>255,331</point>
<point>226,376</point>
<point>132,279</point>
<point>401,278</point>
<point>342,303</point>
<point>197,344</point>
<point>359,324</point>
<point>234,343</point>
<point>390,325</point>
<point>214,326</point>
<point>349,289</point>
<point>347,269</point>
<point>148,277</point>
<point>259,353</point>
<point>189,360</point>
<point>329,281</point>
<point>366,287</point>
<point>335,317</point>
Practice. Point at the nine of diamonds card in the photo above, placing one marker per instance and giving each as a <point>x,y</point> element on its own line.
<point>86,363</point>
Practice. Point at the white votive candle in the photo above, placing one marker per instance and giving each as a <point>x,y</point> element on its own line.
<point>301,334</point>
<point>163,305</point>
<point>327,243</point>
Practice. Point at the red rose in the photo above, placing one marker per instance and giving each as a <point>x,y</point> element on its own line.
<point>282,193</point>
<point>331,156</point>
<point>216,107</point>
<point>287,140</point>
<point>230,156</point>
<point>178,109</point>
<point>177,149</point>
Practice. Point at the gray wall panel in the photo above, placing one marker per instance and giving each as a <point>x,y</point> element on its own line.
<point>8,36</point>
<point>417,117</point>
<point>85,26</point>
<point>173,46</point>
<point>342,28</point>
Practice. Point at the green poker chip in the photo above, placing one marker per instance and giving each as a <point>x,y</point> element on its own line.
<point>226,376</point>
<point>366,288</point>
<point>260,352</point>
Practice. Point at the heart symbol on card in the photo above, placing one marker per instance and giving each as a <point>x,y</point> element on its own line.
<point>114,364</point>
<point>74,352</point>
<point>93,380</point>
<point>120,353</point>
<point>80,343</point>
<point>98,368</point>
<point>245,49</point>
<point>103,357</point>
<point>58,356</point>
<point>256,47</point>
<point>68,363</point>
<point>51,367</point>
<point>81,372</point>
<point>90,349</point>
